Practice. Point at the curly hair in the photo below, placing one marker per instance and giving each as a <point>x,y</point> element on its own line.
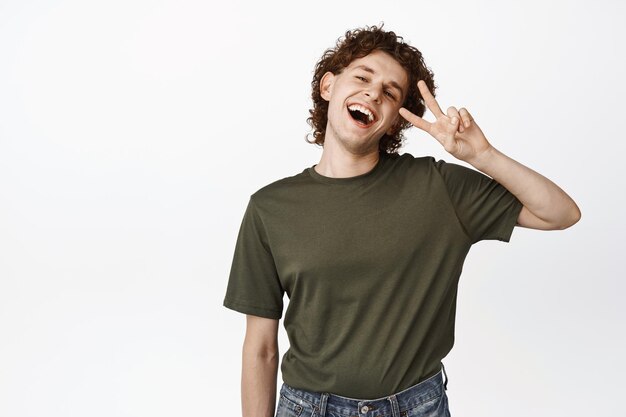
<point>358,43</point>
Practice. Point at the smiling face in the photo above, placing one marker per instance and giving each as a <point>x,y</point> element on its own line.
<point>364,100</point>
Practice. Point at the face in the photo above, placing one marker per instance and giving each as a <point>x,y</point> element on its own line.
<point>364,100</point>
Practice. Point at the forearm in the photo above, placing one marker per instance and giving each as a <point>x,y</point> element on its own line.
<point>258,383</point>
<point>539,195</point>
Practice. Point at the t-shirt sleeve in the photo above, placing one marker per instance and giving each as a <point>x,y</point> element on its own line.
<point>486,210</point>
<point>253,284</point>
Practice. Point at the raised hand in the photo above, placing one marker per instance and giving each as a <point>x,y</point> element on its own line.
<point>465,141</point>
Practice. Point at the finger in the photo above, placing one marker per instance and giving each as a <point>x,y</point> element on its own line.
<point>466,117</point>
<point>461,122</point>
<point>429,100</point>
<point>454,116</point>
<point>414,119</point>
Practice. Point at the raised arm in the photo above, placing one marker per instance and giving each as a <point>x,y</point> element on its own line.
<point>546,206</point>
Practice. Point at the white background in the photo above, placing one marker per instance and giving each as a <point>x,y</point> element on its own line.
<point>133,132</point>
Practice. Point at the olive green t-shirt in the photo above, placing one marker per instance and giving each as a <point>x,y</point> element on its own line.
<point>370,264</point>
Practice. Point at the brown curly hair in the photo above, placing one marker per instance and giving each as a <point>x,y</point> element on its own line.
<point>358,43</point>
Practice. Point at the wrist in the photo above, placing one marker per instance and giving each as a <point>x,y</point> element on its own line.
<point>483,158</point>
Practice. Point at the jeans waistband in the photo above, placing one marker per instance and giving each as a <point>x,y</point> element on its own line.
<point>391,405</point>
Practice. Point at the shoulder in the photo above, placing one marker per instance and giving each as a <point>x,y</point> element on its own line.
<point>445,168</point>
<point>429,169</point>
<point>407,157</point>
<point>280,189</point>
<point>407,160</point>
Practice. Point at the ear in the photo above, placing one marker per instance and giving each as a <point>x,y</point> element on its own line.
<point>326,85</point>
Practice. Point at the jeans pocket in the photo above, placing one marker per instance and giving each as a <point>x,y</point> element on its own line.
<point>288,406</point>
<point>436,406</point>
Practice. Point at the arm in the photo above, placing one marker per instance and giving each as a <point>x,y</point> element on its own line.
<point>546,206</point>
<point>259,367</point>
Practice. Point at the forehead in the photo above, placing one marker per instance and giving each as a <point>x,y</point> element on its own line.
<point>382,64</point>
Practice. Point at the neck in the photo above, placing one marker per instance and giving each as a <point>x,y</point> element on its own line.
<point>340,163</point>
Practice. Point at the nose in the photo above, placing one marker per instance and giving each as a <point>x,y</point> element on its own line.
<point>373,92</point>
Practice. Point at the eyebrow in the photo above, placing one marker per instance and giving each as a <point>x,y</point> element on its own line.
<point>371,71</point>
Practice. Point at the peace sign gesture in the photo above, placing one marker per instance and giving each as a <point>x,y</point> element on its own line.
<point>464,141</point>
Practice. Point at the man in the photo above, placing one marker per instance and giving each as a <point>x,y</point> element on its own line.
<point>369,244</point>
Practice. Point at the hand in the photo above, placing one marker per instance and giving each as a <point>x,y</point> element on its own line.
<point>464,141</point>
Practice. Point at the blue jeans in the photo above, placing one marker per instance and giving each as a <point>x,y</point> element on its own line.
<point>426,398</point>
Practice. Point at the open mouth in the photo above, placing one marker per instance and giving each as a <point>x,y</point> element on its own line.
<point>362,116</point>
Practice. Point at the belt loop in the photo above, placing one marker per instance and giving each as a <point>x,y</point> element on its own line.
<point>323,400</point>
<point>445,384</point>
<point>394,405</point>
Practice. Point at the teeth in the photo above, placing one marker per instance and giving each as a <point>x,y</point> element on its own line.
<point>362,109</point>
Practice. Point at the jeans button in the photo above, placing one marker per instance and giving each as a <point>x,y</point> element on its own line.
<point>364,409</point>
